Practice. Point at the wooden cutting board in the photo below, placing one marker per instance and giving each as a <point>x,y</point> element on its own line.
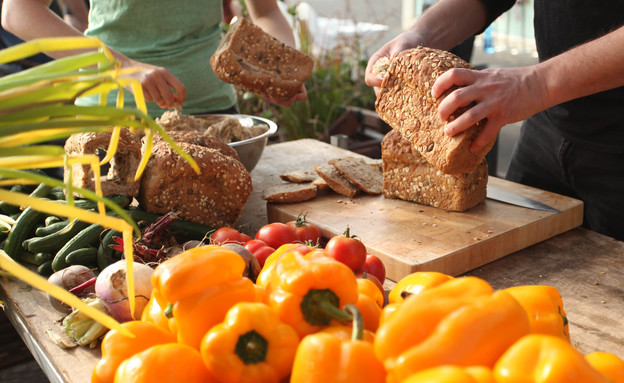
<point>410,237</point>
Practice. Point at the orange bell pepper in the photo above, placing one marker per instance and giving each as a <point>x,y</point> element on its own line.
<point>544,306</point>
<point>154,312</point>
<point>453,374</point>
<point>164,363</point>
<point>539,358</point>
<point>268,270</point>
<point>117,347</point>
<point>307,292</point>
<point>370,301</point>
<point>460,322</point>
<point>326,358</point>
<point>202,284</point>
<point>345,332</point>
<point>608,364</point>
<point>250,345</point>
<point>415,283</point>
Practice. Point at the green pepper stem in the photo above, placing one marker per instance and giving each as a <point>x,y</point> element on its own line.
<point>358,322</point>
<point>334,312</point>
<point>168,311</point>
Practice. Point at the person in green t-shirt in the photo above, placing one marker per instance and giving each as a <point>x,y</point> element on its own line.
<point>171,42</point>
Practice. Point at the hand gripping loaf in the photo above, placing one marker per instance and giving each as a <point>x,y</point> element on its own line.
<point>255,61</point>
<point>409,176</point>
<point>406,104</point>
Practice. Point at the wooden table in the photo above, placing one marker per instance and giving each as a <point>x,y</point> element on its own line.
<point>586,267</point>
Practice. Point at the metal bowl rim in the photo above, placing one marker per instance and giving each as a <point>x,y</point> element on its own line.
<point>271,125</point>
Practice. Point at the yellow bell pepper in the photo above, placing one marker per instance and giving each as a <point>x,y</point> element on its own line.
<point>538,358</point>
<point>461,322</point>
<point>608,364</point>
<point>544,307</point>
<point>453,374</point>
<point>117,347</point>
<point>250,345</point>
<point>326,358</point>
<point>415,283</point>
<point>201,284</point>
<point>307,292</point>
<point>154,312</point>
<point>164,363</point>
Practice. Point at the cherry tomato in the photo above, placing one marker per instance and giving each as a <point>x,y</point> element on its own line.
<point>307,233</point>
<point>259,249</point>
<point>276,234</point>
<point>228,235</point>
<point>348,250</point>
<point>375,266</point>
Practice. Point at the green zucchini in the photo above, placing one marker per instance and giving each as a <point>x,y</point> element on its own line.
<point>54,241</point>
<point>85,256</point>
<point>24,227</point>
<point>85,238</point>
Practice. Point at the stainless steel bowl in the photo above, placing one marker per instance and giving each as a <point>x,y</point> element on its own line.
<point>249,150</point>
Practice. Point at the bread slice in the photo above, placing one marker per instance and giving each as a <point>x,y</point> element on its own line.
<point>298,176</point>
<point>290,192</point>
<point>409,176</point>
<point>255,61</point>
<point>336,181</point>
<point>367,177</point>
<point>406,104</point>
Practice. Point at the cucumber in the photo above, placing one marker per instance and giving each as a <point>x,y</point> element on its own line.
<point>41,258</point>
<point>85,238</point>
<point>45,269</point>
<point>8,208</point>
<point>24,227</point>
<point>51,219</point>
<point>106,255</point>
<point>85,256</point>
<point>52,228</point>
<point>54,241</point>
<point>41,191</point>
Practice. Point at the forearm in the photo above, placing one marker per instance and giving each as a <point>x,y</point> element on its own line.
<point>449,22</point>
<point>32,19</point>
<point>590,68</point>
<point>268,16</point>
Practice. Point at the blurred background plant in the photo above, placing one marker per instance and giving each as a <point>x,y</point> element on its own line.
<point>337,82</point>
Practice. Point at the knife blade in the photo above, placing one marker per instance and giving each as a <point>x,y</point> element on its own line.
<point>505,196</point>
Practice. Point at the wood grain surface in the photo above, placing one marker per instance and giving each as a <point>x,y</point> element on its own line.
<point>411,237</point>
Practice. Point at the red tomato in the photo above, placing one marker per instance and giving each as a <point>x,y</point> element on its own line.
<point>375,266</point>
<point>276,234</point>
<point>307,233</point>
<point>228,235</point>
<point>259,249</point>
<point>348,250</point>
<point>262,254</point>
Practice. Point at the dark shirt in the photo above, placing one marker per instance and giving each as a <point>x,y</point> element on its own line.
<point>596,120</point>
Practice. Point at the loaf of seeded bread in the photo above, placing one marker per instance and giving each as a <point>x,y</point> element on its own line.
<point>123,166</point>
<point>255,61</point>
<point>215,197</point>
<point>406,104</point>
<point>409,176</point>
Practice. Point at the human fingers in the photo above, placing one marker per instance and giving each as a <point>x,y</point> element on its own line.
<point>487,135</point>
<point>163,88</point>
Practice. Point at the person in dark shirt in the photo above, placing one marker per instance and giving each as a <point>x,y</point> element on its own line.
<point>571,101</point>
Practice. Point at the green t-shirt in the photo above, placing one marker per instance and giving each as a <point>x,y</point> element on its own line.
<point>180,36</point>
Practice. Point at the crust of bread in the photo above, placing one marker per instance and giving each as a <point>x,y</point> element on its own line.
<point>297,176</point>
<point>201,139</point>
<point>409,176</point>
<point>336,181</point>
<point>368,177</point>
<point>406,104</point>
<point>255,61</point>
<point>290,192</point>
<point>123,166</point>
<point>215,197</point>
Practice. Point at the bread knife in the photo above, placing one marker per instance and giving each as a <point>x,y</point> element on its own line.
<point>505,196</point>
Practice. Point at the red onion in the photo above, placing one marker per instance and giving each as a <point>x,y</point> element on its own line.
<point>111,288</point>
